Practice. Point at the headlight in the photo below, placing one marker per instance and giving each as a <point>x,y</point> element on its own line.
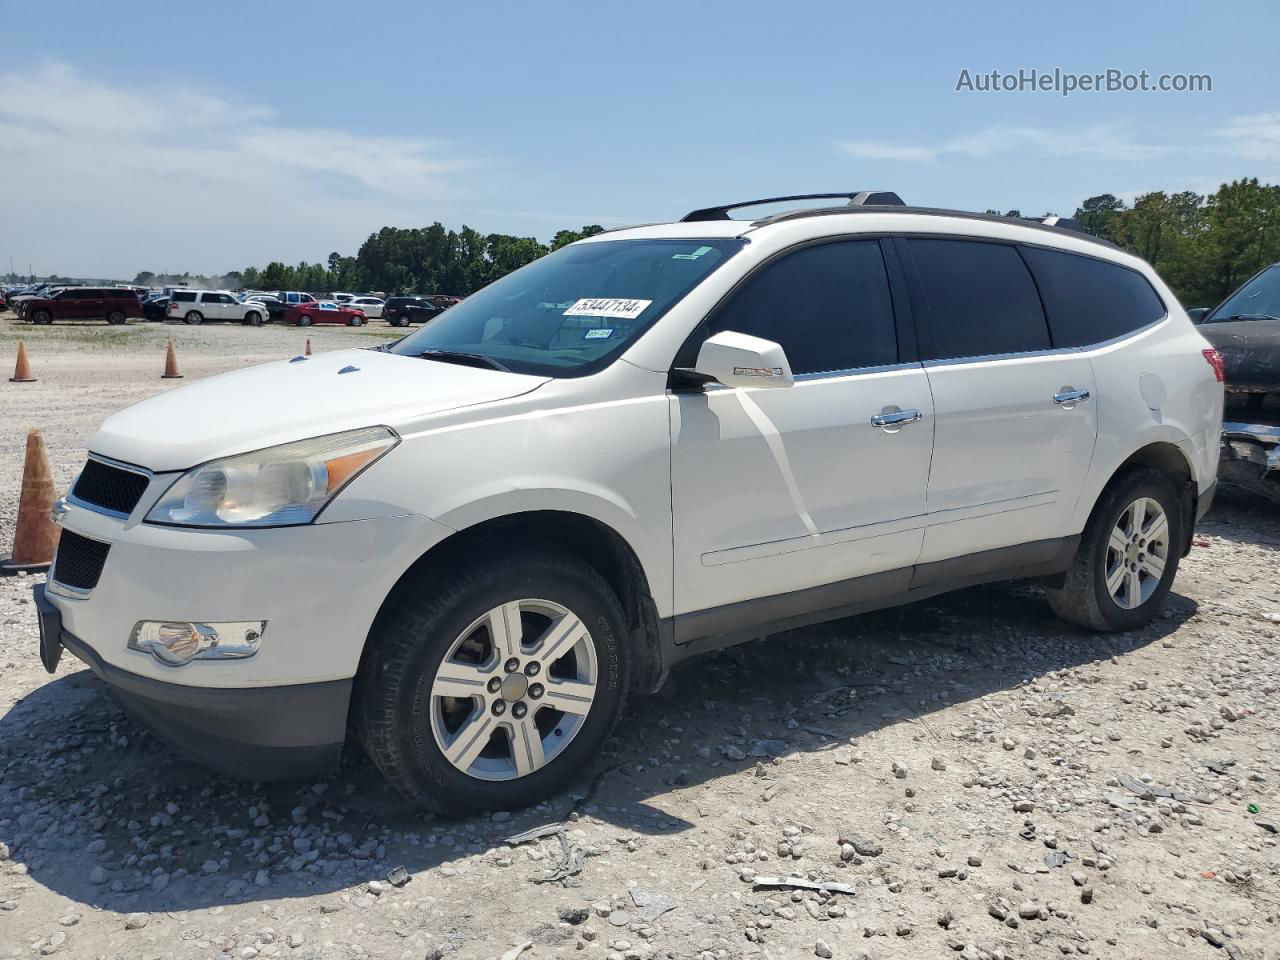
<point>279,486</point>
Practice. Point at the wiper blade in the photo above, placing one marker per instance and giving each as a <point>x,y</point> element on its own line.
<point>465,359</point>
<point>1246,316</point>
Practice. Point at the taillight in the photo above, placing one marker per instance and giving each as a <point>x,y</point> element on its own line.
<point>1214,359</point>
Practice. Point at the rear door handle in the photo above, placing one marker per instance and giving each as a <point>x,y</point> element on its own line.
<point>1068,397</point>
<point>896,418</point>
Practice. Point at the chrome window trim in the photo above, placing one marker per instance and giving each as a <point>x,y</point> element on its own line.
<point>1053,351</point>
<point>820,375</point>
<point>119,465</point>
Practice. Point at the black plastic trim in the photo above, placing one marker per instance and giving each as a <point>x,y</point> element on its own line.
<point>718,627</point>
<point>282,732</point>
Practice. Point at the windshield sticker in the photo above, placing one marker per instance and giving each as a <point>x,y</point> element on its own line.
<point>691,256</point>
<point>599,333</point>
<point>606,307</point>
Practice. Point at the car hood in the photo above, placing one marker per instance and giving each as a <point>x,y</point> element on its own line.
<point>292,400</point>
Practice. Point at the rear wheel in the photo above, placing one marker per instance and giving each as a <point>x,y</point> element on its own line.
<point>1128,555</point>
<point>489,689</point>
<point>397,320</point>
<point>304,320</point>
<point>253,318</point>
<point>115,318</point>
<point>194,317</point>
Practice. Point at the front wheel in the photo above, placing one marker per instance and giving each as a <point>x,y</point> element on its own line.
<point>356,321</point>
<point>489,689</point>
<point>42,316</point>
<point>304,320</point>
<point>194,317</point>
<point>253,318</point>
<point>1128,555</point>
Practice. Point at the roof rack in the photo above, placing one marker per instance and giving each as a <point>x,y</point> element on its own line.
<point>886,198</point>
<point>1064,223</point>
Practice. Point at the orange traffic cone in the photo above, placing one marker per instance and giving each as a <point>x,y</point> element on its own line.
<point>22,371</point>
<point>171,364</point>
<point>36,536</point>
<point>307,352</point>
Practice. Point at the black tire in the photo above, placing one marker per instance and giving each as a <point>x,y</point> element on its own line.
<point>42,317</point>
<point>253,318</point>
<point>1083,598</point>
<point>304,320</point>
<point>415,632</point>
<point>356,321</point>
<point>397,321</point>
<point>194,317</point>
<point>115,318</point>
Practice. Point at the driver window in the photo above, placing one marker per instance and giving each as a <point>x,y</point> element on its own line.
<point>828,305</point>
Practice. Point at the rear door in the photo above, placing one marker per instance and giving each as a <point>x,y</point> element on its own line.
<point>777,491</point>
<point>91,305</point>
<point>1015,417</point>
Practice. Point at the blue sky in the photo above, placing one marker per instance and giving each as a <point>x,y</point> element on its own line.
<point>206,138</point>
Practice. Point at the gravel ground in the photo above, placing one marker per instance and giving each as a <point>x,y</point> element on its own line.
<point>977,779</point>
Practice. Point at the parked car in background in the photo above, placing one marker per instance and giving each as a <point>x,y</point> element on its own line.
<point>112,304</point>
<point>197,306</point>
<point>372,306</point>
<point>323,311</point>
<point>401,311</point>
<point>1245,328</point>
<point>286,299</point>
<point>155,309</point>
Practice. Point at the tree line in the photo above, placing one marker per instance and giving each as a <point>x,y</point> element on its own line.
<point>401,260</point>
<point>1203,245</point>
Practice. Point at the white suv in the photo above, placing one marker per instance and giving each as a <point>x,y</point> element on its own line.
<point>474,542</point>
<point>197,306</point>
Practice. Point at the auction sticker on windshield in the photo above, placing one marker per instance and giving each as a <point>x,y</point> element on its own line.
<point>608,307</point>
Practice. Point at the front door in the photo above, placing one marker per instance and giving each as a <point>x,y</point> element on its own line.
<point>778,491</point>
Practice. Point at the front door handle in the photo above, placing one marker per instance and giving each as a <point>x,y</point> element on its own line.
<point>895,418</point>
<point>1068,397</point>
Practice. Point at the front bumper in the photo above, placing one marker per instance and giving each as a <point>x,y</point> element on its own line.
<point>254,733</point>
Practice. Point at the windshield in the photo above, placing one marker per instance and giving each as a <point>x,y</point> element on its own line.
<point>573,311</point>
<point>1260,297</point>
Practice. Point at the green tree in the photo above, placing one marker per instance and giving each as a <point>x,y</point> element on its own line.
<point>145,278</point>
<point>1096,214</point>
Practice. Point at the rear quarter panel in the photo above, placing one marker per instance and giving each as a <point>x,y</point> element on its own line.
<point>1154,387</point>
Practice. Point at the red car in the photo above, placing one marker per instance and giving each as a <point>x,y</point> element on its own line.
<point>326,311</point>
<point>112,304</point>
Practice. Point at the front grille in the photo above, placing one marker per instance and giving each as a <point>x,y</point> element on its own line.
<point>112,488</point>
<point>79,561</point>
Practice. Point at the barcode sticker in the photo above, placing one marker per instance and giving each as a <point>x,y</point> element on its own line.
<point>608,307</point>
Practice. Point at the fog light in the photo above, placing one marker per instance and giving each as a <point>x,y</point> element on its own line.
<point>175,642</point>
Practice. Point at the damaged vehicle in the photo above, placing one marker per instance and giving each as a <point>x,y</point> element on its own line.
<point>1245,328</point>
<point>471,545</point>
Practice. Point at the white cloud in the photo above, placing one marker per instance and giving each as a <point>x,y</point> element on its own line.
<point>1109,142</point>
<point>109,179</point>
<point>1255,136</point>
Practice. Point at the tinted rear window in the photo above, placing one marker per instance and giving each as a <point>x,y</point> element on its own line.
<point>184,296</point>
<point>982,300</point>
<point>1089,300</point>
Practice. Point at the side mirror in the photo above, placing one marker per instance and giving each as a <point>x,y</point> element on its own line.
<point>740,360</point>
<point>1197,314</point>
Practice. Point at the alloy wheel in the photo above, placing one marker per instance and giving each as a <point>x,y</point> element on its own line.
<point>1137,551</point>
<point>514,690</point>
